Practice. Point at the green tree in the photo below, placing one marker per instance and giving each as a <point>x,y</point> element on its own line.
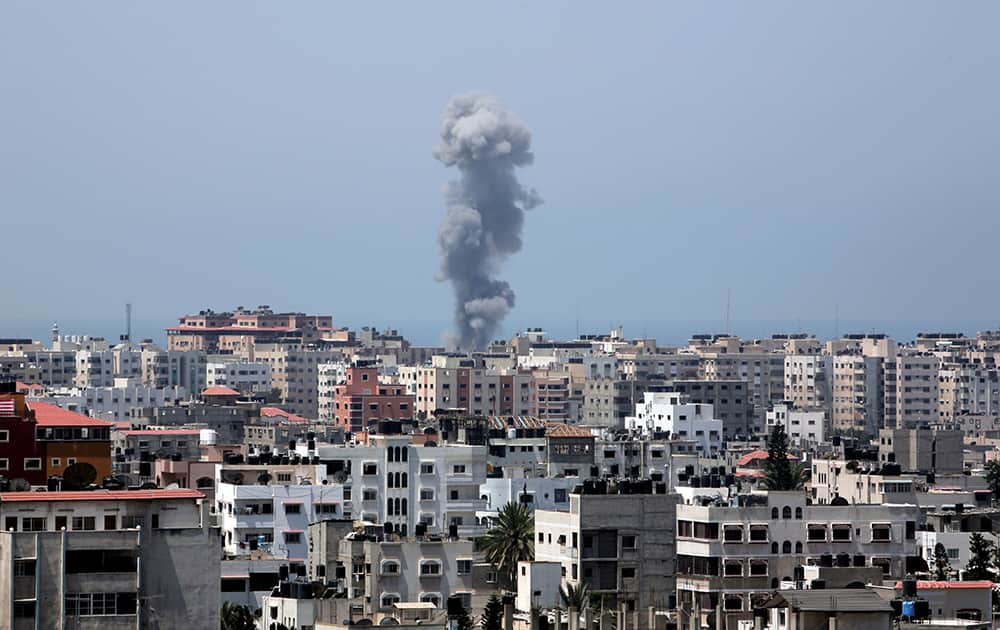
<point>492,618</point>
<point>236,617</point>
<point>273,397</point>
<point>576,597</point>
<point>981,550</point>
<point>781,473</point>
<point>509,541</point>
<point>463,621</point>
<point>993,477</point>
<point>942,566</point>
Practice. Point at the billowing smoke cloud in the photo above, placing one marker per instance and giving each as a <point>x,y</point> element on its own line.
<point>485,210</point>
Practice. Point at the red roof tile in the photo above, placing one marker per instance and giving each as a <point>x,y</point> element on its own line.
<point>49,415</point>
<point>275,412</point>
<point>217,390</point>
<point>754,456</point>
<point>562,430</point>
<point>161,432</point>
<point>102,495</point>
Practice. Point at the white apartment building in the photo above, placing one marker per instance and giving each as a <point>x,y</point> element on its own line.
<point>95,368</point>
<point>173,368</point>
<point>857,393</point>
<point>663,412</point>
<point>115,402</point>
<point>392,480</point>
<point>330,375</point>
<point>542,493</point>
<point>802,427</point>
<point>730,559</point>
<point>295,372</point>
<point>109,560</point>
<point>272,513</point>
<point>968,389</point>
<point>244,376</point>
<point>911,390</point>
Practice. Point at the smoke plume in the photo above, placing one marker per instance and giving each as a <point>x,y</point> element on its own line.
<point>485,210</point>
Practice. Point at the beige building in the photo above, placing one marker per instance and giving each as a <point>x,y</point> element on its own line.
<point>295,372</point>
<point>807,380</point>
<point>469,384</point>
<point>911,390</point>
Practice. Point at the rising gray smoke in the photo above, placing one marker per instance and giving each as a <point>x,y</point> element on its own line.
<point>485,210</point>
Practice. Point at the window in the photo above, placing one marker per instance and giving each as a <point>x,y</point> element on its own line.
<point>56,462</point>
<point>4,463</point>
<point>732,533</point>
<point>841,532</point>
<point>758,567</point>
<point>326,508</point>
<point>369,469</point>
<point>816,533</point>
<point>458,469</point>
<point>426,469</point>
<point>388,599</point>
<point>32,463</point>
<point>786,512</point>
<point>100,604</point>
<point>881,532</point>
<point>84,523</point>
<point>798,513</point>
<point>24,568</point>
<point>293,508</point>
<point>628,572</point>
<point>430,567</point>
<point>390,567</point>
<point>885,563</point>
<point>24,609</point>
<point>559,495</point>
<point>131,522</point>
<point>733,602</point>
<point>426,494</point>
<point>464,567</point>
<point>758,533</point>
<point>33,524</point>
<point>629,542</point>
<point>732,568</point>
<point>293,538</point>
<point>4,435</point>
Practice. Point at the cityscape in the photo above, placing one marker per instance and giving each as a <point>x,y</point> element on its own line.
<point>521,316</point>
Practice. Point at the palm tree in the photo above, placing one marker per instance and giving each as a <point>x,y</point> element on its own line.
<point>236,617</point>
<point>510,540</point>
<point>576,597</point>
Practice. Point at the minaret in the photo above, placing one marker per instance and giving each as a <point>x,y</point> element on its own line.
<point>55,335</point>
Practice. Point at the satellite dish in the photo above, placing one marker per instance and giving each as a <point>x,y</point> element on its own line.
<point>78,476</point>
<point>339,477</point>
<point>174,486</point>
<point>20,485</point>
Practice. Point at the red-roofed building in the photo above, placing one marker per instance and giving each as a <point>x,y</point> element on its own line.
<point>211,331</point>
<point>281,415</point>
<point>71,438</point>
<point>752,464</point>
<point>956,600</point>
<point>362,399</point>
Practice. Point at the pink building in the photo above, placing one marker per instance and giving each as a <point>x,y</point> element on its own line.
<point>362,399</point>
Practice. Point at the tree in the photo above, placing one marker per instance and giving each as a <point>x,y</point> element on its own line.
<point>993,477</point>
<point>273,396</point>
<point>463,621</point>
<point>576,597</point>
<point>509,541</point>
<point>492,618</point>
<point>979,567</point>
<point>236,617</point>
<point>781,473</point>
<point>942,566</point>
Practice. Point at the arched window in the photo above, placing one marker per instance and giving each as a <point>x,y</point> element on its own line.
<point>798,547</point>
<point>205,482</point>
<point>404,453</point>
<point>406,479</point>
<point>389,481</point>
<point>786,547</point>
<point>786,512</point>
<point>774,512</point>
<point>404,507</point>
<point>774,548</point>
<point>798,513</point>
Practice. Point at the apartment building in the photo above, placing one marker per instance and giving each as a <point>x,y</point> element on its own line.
<point>68,438</point>
<point>380,572</point>
<point>859,483</point>
<point>389,479</point>
<point>362,399</point>
<point>459,382</point>
<point>911,385</point>
<point>232,330</point>
<point>858,390</point>
<point>329,376</point>
<point>730,558</point>
<point>295,372</point>
<point>51,368</point>
<point>113,403</point>
<point>664,413</point>
<point>110,560</point>
<point>968,388</point>
<point>619,541</point>
<point>803,428</point>
<point>94,368</point>
<point>763,372</point>
<point>808,381</point>
<point>174,368</point>
<point>245,377</point>
<point>928,450</point>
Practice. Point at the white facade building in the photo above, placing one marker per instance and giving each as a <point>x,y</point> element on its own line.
<point>113,403</point>
<point>802,427</point>
<point>243,376</point>
<point>663,412</point>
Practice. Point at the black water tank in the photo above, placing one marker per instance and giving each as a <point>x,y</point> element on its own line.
<point>420,529</point>
<point>818,585</point>
<point>843,560</point>
<point>799,573</point>
<point>826,560</point>
<point>300,569</point>
<point>283,572</point>
<point>455,607</point>
<point>453,530</point>
<point>859,560</point>
<point>291,445</point>
<point>909,586</point>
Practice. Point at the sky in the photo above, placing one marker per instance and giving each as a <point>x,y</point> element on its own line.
<point>814,162</point>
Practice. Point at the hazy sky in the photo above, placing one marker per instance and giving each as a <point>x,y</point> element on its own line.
<point>191,154</point>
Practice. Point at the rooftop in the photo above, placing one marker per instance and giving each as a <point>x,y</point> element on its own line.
<point>49,415</point>
<point>830,600</point>
<point>218,390</point>
<point>100,495</point>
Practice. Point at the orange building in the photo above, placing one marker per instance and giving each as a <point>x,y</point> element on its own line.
<point>69,438</point>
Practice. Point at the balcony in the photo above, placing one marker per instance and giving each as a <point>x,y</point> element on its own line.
<point>466,505</point>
